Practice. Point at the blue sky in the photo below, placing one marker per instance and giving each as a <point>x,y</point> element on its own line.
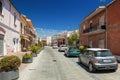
<point>54,16</point>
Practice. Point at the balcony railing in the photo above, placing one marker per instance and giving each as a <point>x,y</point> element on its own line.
<point>94,30</point>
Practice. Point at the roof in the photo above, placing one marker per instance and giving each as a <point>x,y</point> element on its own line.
<point>96,49</point>
<point>96,11</point>
<point>14,6</point>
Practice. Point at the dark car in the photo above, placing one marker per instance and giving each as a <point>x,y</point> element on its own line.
<point>98,59</point>
<point>118,58</point>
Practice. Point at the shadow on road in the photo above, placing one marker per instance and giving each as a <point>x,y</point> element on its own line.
<point>70,56</point>
<point>97,72</point>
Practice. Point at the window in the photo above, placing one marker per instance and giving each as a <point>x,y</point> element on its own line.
<point>15,17</point>
<point>103,53</point>
<point>91,53</point>
<point>0,7</point>
<point>101,20</point>
<point>84,27</point>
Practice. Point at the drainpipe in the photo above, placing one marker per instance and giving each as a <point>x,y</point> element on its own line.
<point>106,27</point>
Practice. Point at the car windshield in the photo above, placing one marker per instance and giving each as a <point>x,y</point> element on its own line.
<point>103,53</point>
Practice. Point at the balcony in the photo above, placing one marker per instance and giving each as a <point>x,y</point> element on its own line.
<point>94,30</point>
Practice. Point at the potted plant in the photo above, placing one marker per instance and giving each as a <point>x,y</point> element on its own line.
<point>38,49</point>
<point>33,49</point>
<point>27,58</point>
<point>9,67</point>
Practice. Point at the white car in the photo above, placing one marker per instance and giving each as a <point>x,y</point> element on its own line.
<point>54,46</point>
<point>62,48</point>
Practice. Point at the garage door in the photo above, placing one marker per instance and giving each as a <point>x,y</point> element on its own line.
<point>1,44</point>
<point>101,44</point>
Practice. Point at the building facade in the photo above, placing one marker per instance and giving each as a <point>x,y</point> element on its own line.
<point>49,40</point>
<point>24,29</point>
<point>101,28</point>
<point>9,28</point>
<point>29,34</point>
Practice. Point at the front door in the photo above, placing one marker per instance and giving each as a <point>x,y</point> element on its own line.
<point>1,44</point>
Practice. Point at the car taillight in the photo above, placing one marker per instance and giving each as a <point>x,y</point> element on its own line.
<point>95,60</point>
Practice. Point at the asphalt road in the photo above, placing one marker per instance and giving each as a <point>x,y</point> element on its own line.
<point>53,65</point>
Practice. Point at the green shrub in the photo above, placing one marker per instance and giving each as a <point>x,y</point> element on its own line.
<point>9,63</point>
<point>34,49</point>
<point>82,49</point>
<point>27,55</point>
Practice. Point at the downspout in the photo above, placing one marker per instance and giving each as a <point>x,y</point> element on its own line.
<point>106,27</point>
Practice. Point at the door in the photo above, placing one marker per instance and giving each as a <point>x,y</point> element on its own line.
<point>1,44</point>
<point>101,43</point>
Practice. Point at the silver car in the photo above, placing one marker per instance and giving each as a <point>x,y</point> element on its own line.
<point>54,46</point>
<point>98,59</point>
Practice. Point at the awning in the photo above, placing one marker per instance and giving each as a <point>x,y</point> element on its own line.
<point>26,39</point>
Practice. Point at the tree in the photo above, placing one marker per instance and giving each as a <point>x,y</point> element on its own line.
<point>73,40</point>
<point>70,42</point>
<point>39,44</point>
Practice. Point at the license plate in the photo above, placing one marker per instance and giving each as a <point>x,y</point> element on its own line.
<point>106,60</point>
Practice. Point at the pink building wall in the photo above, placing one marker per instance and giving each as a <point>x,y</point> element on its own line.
<point>12,30</point>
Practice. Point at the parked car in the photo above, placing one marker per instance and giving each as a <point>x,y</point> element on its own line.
<point>98,59</point>
<point>118,58</point>
<point>72,51</point>
<point>62,48</point>
<point>54,46</point>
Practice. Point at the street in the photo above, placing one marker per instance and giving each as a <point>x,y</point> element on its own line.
<point>53,65</point>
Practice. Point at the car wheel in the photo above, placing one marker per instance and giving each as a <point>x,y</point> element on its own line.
<point>79,60</point>
<point>114,70</point>
<point>91,69</point>
<point>67,55</point>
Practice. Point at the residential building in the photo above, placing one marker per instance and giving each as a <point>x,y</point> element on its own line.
<point>48,40</point>
<point>9,28</point>
<point>54,39</point>
<point>24,29</point>
<point>44,42</point>
<point>62,38</point>
<point>31,32</point>
<point>101,28</point>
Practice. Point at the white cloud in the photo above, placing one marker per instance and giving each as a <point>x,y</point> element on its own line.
<point>47,32</point>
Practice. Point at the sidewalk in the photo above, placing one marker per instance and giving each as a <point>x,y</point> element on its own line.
<point>25,68</point>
